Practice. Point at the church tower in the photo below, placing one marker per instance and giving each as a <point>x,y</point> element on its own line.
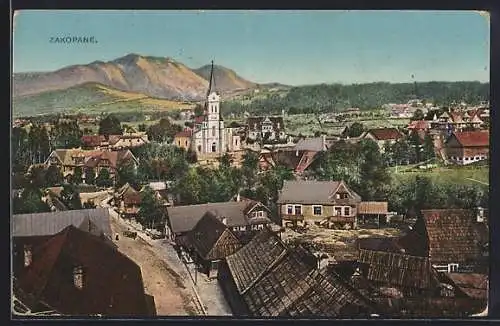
<point>214,135</point>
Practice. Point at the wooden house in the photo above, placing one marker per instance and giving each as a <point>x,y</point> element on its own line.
<point>67,160</point>
<point>468,147</point>
<point>455,240</point>
<point>128,201</point>
<point>209,242</point>
<point>244,218</point>
<point>29,230</point>
<point>318,201</point>
<point>76,273</point>
<point>373,211</point>
<point>265,278</point>
<point>383,136</point>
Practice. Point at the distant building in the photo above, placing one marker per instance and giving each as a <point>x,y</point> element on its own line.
<point>468,147</point>
<point>383,136</point>
<point>265,128</point>
<point>182,139</point>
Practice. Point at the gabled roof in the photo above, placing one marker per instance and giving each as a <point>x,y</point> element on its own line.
<point>373,207</point>
<point>385,133</point>
<point>184,218</point>
<point>471,138</point>
<point>419,125</point>
<point>473,285</point>
<point>316,144</point>
<point>452,235</point>
<point>187,132</point>
<point>253,259</point>
<point>43,224</point>
<point>397,269</point>
<point>312,192</point>
<point>255,123</point>
<point>212,239</point>
<point>113,282</point>
<point>92,140</point>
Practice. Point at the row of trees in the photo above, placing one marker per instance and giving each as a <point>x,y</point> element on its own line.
<point>329,98</point>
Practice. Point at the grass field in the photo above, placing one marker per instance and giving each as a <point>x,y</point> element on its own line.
<point>458,175</point>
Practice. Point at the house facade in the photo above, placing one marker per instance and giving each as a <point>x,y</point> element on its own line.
<point>265,128</point>
<point>465,147</point>
<point>319,201</point>
<point>243,218</point>
<point>67,160</point>
<point>77,273</point>
<point>383,136</point>
<point>182,139</point>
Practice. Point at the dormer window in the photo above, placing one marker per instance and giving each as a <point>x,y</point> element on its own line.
<point>28,255</point>
<point>78,276</point>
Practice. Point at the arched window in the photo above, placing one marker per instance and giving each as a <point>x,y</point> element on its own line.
<point>199,148</point>
<point>213,131</point>
<point>214,147</point>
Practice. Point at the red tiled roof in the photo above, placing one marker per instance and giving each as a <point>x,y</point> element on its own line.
<point>419,124</point>
<point>473,138</point>
<point>185,133</point>
<point>92,140</point>
<point>386,133</point>
<point>199,119</point>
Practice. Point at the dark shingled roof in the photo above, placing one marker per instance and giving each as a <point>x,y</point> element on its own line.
<point>212,239</point>
<point>42,224</point>
<point>252,260</point>
<point>385,133</point>
<point>452,235</point>
<point>473,285</point>
<point>184,218</point>
<point>397,269</point>
<point>312,192</point>
<point>112,282</point>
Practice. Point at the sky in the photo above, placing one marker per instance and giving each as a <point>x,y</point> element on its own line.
<point>290,47</point>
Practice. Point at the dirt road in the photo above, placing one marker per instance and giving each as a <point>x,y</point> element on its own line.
<point>170,294</point>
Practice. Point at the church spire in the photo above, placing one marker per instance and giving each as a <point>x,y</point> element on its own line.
<point>211,82</point>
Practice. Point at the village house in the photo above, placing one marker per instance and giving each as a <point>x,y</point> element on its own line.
<point>161,191</point>
<point>209,242</point>
<point>297,157</point>
<point>128,201</point>
<point>266,128</point>
<point>182,139</point>
<point>93,142</point>
<point>243,217</point>
<point>76,273</point>
<point>30,230</point>
<point>466,147</point>
<point>330,203</point>
<point>69,159</point>
<point>265,278</point>
<point>455,240</point>
<point>128,140</point>
<point>383,136</point>
<point>459,120</point>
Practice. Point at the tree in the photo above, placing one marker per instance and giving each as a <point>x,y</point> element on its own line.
<point>104,179</point>
<point>416,144</point>
<point>110,125</point>
<point>77,175</point>
<point>428,152</point>
<point>141,127</point>
<point>151,213</point>
<point>71,197</point>
<point>355,130</point>
<point>250,168</point>
<point>30,202</point>
<point>36,175</point>
<point>418,115</point>
<point>126,173</point>
<point>89,175</point>
<point>198,110</point>
<point>53,176</point>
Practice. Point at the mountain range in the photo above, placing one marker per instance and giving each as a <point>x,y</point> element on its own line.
<point>157,77</point>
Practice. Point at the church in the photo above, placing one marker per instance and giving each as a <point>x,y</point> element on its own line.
<point>209,136</point>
